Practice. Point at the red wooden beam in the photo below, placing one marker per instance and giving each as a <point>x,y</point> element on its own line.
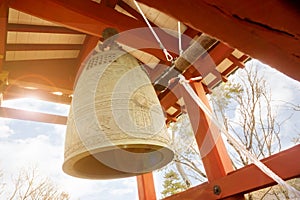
<point>92,18</point>
<point>40,29</point>
<point>214,155</point>
<point>15,92</point>
<point>286,164</point>
<point>32,116</point>
<point>207,64</point>
<point>185,40</point>
<point>146,187</point>
<point>158,70</point>
<point>131,11</point>
<point>202,66</point>
<point>169,97</point>
<point>53,72</point>
<point>191,32</point>
<point>236,61</point>
<point>272,37</point>
<point>36,47</point>
<point>109,3</point>
<point>3,30</point>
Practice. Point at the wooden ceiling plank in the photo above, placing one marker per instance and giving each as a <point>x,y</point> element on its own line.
<point>92,18</point>
<point>3,30</point>
<point>132,11</point>
<point>43,87</point>
<point>58,13</point>
<point>265,43</point>
<point>229,70</point>
<point>35,47</point>
<point>40,29</point>
<point>32,116</point>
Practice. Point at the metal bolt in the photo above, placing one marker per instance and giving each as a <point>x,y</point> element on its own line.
<point>217,190</point>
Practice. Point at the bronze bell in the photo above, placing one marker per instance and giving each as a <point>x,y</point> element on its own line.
<point>116,126</point>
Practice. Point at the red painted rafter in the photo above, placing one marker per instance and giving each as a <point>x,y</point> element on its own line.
<point>109,3</point>
<point>236,61</point>
<point>15,92</point>
<point>92,18</point>
<point>202,66</point>
<point>275,42</point>
<point>207,64</point>
<point>248,178</point>
<point>32,116</point>
<point>189,31</point>
<point>133,12</point>
<point>56,73</point>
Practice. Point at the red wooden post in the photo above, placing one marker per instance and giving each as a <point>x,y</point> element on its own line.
<point>214,155</point>
<point>146,187</point>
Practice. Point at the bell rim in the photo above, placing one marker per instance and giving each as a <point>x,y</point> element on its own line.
<point>69,163</point>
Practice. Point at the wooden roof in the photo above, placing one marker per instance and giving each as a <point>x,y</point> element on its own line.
<point>43,43</point>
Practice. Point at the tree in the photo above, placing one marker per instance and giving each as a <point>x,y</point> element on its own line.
<point>2,185</point>
<point>172,184</point>
<point>245,107</point>
<point>187,158</point>
<point>28,185</point>
<point>256,125</point>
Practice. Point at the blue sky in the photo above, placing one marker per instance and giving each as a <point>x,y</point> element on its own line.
<point>24,143</point>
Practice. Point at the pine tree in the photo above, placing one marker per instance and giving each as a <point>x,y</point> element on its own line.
<point>172,184</point>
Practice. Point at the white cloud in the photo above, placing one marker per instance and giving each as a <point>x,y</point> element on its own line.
<point>45,151</point>
<point>62,109</point>
<point>36,105</point>
<point>24,103</point>
<point>6,130</point>
<point>121,191</point>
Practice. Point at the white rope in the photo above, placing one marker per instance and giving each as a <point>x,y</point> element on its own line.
<point>179,39</point>
<point>167,54</point>
<point>293,193</point>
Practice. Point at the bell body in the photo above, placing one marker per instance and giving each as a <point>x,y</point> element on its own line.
<point>116,127</point>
